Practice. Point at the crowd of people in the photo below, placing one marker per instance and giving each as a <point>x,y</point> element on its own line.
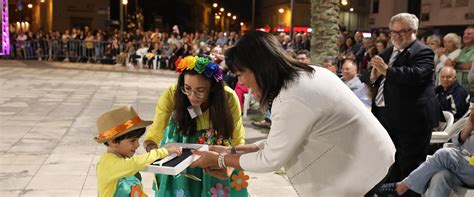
<point>136,47</point>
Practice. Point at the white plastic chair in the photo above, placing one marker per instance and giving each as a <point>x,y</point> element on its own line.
<point>450,129</point>
<point>156,62</point>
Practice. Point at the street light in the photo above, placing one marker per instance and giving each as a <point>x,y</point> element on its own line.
<point>30,5</point>
<point>234,17</point>
<point>214,5</point>
<point>122,5</point>
<point>350,13</point>
<point>344,2</point>
<point>222,10</point>
<point>41,1</point>
<point>280,22</point>
<point>241,23</point>
<point>229,14</point>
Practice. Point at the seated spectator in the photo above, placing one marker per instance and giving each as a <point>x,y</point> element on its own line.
<point>350,78</point>
<point>380,45</point>
<point>451,50</point>
<point>122,57</point>
<point>222,40</point>
<point>466,56</point>
<point>347,50</point>
<point>330,64</point>
<point>452,96</point>
<point>447,169</point>
<point>303,56</point>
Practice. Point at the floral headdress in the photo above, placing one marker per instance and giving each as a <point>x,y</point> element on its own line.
<point>202,65</point>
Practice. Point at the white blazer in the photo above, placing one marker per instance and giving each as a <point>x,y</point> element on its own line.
<point>329,143</point>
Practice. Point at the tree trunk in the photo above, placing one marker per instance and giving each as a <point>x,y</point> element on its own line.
<point>325,25</point>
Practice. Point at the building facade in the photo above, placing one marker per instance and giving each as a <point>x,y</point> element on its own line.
<point>436,16</point>
<point>269,14</point>
<point>48,15</point>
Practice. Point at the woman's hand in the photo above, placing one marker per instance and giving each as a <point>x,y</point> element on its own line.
<point>220,149</point>
<point>220,173</point>
<point>208,159</point>
<point>149,145</point>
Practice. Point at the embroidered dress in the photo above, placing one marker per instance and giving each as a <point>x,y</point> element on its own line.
<point>181,186</point>
<point>130,186</point>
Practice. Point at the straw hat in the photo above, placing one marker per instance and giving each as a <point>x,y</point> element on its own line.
<point>118,122</point>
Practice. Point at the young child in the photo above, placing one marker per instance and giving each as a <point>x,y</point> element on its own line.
<point>117,169</point>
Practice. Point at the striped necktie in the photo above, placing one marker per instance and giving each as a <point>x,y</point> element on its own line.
<point>379,98</point>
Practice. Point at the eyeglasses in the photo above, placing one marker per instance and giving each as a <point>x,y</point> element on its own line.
<point>198,94</point>
<point>402,32</point>
<point>446,77</point>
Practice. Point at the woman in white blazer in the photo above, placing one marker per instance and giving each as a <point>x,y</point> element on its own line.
<point>324,136</point>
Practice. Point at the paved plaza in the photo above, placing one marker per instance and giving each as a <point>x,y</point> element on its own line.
<point>47,122</point>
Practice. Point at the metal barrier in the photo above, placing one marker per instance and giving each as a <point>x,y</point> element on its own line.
<point>71,50</point>
<point>107,52</point>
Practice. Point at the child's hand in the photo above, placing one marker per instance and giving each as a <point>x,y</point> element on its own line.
<point>174,150</point>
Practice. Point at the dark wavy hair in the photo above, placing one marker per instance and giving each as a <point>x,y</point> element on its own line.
<point>272,66</point>
<point>219,111</point>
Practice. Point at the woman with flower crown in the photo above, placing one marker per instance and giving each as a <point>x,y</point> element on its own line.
<point>198,109</point>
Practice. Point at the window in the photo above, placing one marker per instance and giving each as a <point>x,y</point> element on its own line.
<point>375,7</point>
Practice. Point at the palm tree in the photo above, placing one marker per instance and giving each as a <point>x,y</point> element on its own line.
<point>325,25</point>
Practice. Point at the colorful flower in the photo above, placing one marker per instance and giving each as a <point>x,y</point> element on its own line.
<point>136,191</point>
<point>211,69</point>
<point>226,143</point>
<point>239,181</point>
<point>218,74</point>
<point>201,140</point>
<point>210,133</point>
<point>220,191</point>
<point>180,65</point>
<point>201,65</point>
<point>220,140</point>
<point>190,62</point>
<point>179,193</point>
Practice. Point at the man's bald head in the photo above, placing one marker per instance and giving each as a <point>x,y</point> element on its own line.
<point>447,76</point>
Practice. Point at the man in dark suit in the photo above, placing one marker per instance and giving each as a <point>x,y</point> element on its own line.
<point>403,99</point>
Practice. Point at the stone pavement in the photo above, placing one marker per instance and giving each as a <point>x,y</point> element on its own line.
<point>47,122</point>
